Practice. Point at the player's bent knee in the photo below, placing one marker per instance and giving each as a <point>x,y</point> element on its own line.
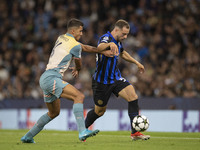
<point>82,96</point>
<point>100,112</point>
<point>132,98</point>
<point>135,97</point>
<point>79,98</point>
<point>53,115</point>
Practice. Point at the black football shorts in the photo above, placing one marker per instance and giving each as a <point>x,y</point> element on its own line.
<point>102,92</point>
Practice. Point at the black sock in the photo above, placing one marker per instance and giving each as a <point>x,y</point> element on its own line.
<point>133,111</point>
<point>91,117</point>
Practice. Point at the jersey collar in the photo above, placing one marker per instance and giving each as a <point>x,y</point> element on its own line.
<point>69,35</point>
<point>112,37</point>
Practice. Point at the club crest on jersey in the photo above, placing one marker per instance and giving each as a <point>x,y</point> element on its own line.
<point>100,102</point>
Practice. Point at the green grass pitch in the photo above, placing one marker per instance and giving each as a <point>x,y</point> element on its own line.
<point>119,140</point>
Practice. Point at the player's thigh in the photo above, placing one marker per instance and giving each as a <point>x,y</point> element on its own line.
<point>52,85</point>
<point>101,93</point>
<point>54,108</point>
<point>71,93</point>
<point>128,93</point>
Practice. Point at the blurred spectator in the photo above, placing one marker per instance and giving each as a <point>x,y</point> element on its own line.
<point>164,36</point>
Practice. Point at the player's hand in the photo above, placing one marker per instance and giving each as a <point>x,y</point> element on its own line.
<point>74,72</point>
<point>108,53</point>
<point>141,68</point>
<point>114,49</point>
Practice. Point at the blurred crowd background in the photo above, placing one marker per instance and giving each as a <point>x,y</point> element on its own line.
<point>164,37</point>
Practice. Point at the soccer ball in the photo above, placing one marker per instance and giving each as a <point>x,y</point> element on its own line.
<point>140,123</point>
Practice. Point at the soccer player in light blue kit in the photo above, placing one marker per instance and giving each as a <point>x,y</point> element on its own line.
<point>65,50</point>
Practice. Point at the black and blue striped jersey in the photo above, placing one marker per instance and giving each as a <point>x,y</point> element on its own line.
<point>107,71</point>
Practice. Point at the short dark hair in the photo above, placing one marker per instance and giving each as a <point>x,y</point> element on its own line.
<point>122,23</point>
<point>74,23</point>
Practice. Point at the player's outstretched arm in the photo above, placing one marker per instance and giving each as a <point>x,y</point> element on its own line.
<point>88,48</point>
<point>109,46</point>
<point>92,49</point>
<point>126,56</point>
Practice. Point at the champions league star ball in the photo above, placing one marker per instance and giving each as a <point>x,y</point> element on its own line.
<point>140,123</point>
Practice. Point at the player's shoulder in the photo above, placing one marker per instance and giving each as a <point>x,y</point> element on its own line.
<point>105,38</point>
<point>63,36</point>
<point>105,35</point>
<point>69,38</point>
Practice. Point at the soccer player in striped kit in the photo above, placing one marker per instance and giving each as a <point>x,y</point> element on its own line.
<point>107,78</point>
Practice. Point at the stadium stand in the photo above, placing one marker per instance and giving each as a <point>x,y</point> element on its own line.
<point>164,36</point>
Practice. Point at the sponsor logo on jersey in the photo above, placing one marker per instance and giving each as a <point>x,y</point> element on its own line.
<point>105,39</point>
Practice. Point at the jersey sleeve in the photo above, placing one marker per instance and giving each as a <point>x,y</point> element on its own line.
<point>105,39</point>
<point>76,51</point>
